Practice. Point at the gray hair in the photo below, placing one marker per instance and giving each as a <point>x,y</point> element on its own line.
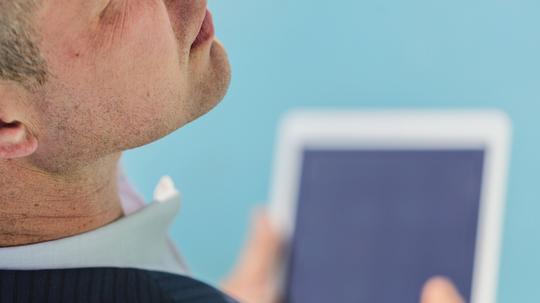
<point>20,59</point>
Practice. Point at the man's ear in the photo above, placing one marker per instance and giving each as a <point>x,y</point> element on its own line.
<point>16,138</point>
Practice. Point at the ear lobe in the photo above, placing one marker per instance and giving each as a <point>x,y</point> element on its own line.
<point>16,141</point>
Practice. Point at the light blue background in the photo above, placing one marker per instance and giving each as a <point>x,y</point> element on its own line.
<point>352,53</point>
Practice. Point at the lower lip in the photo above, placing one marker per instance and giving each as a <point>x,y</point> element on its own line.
<point>207,31</point>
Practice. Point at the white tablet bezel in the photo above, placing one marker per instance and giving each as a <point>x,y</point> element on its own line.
<point>376,129</point>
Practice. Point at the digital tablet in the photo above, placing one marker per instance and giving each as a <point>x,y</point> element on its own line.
<point>373,204</point>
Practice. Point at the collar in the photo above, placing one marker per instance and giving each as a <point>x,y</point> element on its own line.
<point>138,240</point>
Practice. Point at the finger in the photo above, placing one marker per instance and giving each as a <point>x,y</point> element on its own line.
<point>253,278</point>
<point>440,290</point>
<point>262,252</point>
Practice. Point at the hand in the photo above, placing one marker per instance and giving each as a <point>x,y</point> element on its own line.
<point>253,279</point>
<point>440,290</point>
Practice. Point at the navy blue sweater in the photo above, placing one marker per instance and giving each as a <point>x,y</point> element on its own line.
<point>104,285</point>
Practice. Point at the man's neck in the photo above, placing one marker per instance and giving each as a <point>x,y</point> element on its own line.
<point>36,206</point>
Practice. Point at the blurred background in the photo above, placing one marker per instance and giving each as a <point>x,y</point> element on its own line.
<point>351,54</point>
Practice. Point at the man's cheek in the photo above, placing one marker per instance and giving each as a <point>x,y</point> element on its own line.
<point>150,38</point>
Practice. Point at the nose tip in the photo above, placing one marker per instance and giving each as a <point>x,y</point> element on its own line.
<point>186,17</point>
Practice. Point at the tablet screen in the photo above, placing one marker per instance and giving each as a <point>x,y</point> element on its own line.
<point>374,225</point>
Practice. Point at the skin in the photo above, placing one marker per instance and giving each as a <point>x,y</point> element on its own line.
<point>123,73</point>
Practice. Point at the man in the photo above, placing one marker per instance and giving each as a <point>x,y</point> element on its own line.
<point>80,82</point>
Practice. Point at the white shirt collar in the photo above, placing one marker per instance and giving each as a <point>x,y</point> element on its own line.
<point>139,240</point>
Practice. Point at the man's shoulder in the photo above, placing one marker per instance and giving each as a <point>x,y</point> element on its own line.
<point>186,289</point>
<point>93,285</point>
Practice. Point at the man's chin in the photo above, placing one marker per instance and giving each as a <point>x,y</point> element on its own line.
<point>203,108</point>
<point>210,90</point>
<point>215,84</point>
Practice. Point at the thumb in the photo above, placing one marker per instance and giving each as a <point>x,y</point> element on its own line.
<point>440,290</point>
<point>256,266</point>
